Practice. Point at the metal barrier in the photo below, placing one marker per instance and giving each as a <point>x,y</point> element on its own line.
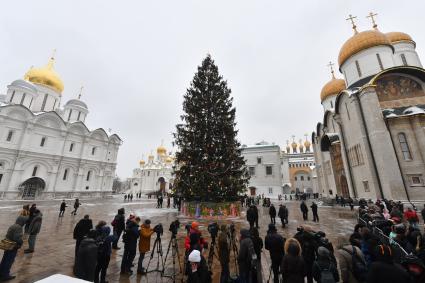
<point>399,252</point>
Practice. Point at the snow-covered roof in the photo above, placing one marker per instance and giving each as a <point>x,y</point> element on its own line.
<point>403,111</point>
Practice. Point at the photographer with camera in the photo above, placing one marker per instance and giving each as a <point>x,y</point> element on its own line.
<point>224,254</point>
<point>274,243</point>
<point>144,243</point>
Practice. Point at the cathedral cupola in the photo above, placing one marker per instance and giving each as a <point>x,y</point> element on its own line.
<point>330,90</point>
<point>365,54</point>
<point>75,110</point>
<point>404,49</point>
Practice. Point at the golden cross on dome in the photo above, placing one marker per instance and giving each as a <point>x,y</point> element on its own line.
<point>372,17</point>
<point>293,138</point>
<point>351,18</point>
<point>53,54</point>
<point>331,66</point>
<point>81,92</point>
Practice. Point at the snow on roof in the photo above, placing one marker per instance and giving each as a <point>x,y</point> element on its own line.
<point>403,111</point>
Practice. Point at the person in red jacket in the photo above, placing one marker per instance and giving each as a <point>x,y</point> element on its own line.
<point>194,238</point>
<point>411,217</point>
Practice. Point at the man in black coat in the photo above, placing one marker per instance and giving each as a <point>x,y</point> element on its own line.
<point>256,215</point>
<point>245,256</point>
<point>314,210</point>
<point>62,208</point>
<point>274,244</point>
<point>81,230</point>
<point>283,215</point>
<point>130,237</point>
<point>118,225</point>
<point>250,216</point>
<point>86,262</point>
<point>422,212</point>
<point>272,213</point>
<point>304,210</point>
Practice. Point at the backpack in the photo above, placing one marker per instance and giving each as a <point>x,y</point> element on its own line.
<point>101,246</point>
<point>359,268</point>
<point>326,275</point>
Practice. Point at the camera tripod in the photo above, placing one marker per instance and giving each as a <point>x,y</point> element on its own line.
<point>172,245</point>
<point>211,254</point>
<point>234,248</point>
<point>157,248</point>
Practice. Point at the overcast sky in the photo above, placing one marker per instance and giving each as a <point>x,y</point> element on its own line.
<point>136,58</point>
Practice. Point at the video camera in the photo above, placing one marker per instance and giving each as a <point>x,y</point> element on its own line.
<point>213,229</point>
<point>174,226</point>
<point>159,230</point>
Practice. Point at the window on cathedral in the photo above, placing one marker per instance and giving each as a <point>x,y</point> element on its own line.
<point>331,192</point>
<point>296,178</point>
<point>54,104</point>
<point>65,174</point>
<point>359,72</point>
<point>366,186</point>
<point>416,179</point>
<point>71,147</point>
<point>149,172</point>
<point>30,103</point>
<point>404,146</point>
<point>44,102</point>
<point>270,191</point>
<point>259,160</point>
<point>34,171</point>
<point>12,96</point>
<point>302,178</point>
<point>87,187</point>
<point>1,177</point>
<point>269,170</point>
<point>308,178</point>
<point>379,61</point>
<point>88,176</point>
<point>93,150</point>
<point>79,115</point>
<point>69,114</point>
<point>9,136</point>
<point>403,59</point>
<point>43,141</point>
<point>23,98</point>
<point>251,170</point>
<point>348,113</point>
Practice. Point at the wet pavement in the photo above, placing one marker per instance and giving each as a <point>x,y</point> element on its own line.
<point>54,251</point>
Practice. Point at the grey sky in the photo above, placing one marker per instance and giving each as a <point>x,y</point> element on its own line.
<point>136,58</point>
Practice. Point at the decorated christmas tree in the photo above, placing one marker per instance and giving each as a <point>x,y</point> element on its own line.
<point>209,165</point>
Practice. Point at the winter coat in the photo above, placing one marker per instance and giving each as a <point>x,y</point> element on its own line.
<point>292,268</point>
<point>250,215</point>
<point>63,205</point>
<point>244,256</point>
<point>131,235</point>
<point>119,220</point>
<point>283,212</point>
<point>105,235</point>
<point>85,265</point>
<point>35,224</point>
<point>382,272</point>
<point>303,207</point>
<point>272,211</point>
<point>258,245</point>
<point>314,208</point>
<point>202,275</point>
<point>15,233</point>
<point>194,238</point>
<point>346,263</point>
<point>274,243</point>
<point>223,248</point>
<point>82,228</point>
<point>324,263</point>
<point>145,238</point>
<point>77,204</point>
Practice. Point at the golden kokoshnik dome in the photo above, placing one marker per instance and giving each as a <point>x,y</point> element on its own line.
<point>396,36</point>
<point>46,76</point>
<point>333,87</point>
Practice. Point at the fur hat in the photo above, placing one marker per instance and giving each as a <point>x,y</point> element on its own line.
<point>195,256</point>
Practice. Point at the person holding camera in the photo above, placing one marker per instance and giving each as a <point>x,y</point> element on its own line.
<point>274,244</point>
<point>144,243</point>
<point>224,254</point>
<point>131,234</point>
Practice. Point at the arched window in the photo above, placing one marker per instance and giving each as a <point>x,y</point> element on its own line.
<point>65,174</point>
<point>9,136</point>
<point>93,150</point>
<point>34,171</point>
<point>359,71</point>
<point>88,176</point>
<point>43,141</point>
<point>405,150</point>
<point>71,147</point>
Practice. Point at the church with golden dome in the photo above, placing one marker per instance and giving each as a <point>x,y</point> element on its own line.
<point>46,149</point>
<point>154,175</point>
<point>370,142</point>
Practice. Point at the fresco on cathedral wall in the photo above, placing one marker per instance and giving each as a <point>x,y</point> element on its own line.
<point>397,91</point>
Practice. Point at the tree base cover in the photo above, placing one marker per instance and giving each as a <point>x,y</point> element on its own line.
<point>211,210</point>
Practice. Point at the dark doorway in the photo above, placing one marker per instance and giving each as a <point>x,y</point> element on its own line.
<point>162,184</point>
<point>32,187</point>
<point>252,191</point>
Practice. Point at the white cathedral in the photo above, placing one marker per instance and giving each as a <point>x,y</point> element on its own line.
<point>47,151</point>
<point>155,175</point>
<point>371,141</point>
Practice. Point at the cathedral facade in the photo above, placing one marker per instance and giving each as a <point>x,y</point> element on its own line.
<point>371,141</point>
<point>154,175</point>
<point>47,151</point>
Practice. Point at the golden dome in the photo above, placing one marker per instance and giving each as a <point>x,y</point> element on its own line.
<point>294,145</point>
<point>46,76</point>
<point>161,150</point>
<point>307,144</point>
<point>169,159</point>
<point>151,157</point>
<point>142,162</point>
<point>333,87</point>
<point>396,36</point>
<point>361,41</point>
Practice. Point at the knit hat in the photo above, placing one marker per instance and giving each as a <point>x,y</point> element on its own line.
<point>195,225</point>
<point>195,256</point>
<point>272,227</point>
<point>323,252</point>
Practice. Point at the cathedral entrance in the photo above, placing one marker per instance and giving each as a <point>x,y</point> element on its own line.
<point>344,187</point>
<point>32,187</point>
<point>162,184</point>
<point>252,191</point>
